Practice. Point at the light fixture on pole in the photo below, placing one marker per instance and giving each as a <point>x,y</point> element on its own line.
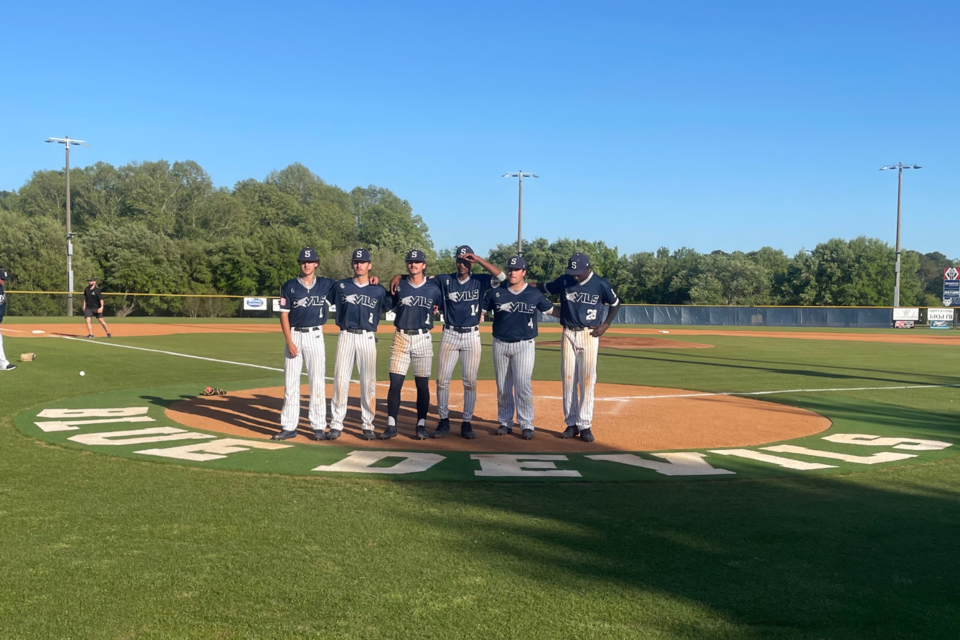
<point>67,142</point>
<point>899,167</point>
<point>521,175</point>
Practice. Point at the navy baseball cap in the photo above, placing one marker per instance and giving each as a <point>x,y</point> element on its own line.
<point>308,255</point>
<point>416,256</point>
<point>4,275</point>
<point>579,262</point>
<point>516,263</point>
<point>360,255</point>
<point>461,250</point>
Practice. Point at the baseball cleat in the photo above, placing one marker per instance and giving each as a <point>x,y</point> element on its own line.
<point>421,432</point>
<point>527,434</point>
<point>319,435</point>
<point>9,367</point>
<point>466,431</point>
<point>585,435</point>
<point>504,430</point>
<point>389,432</point>
<point>368,434</point>
<point>570,432</point>
<point>109,335</point>
<point>443,428</point>
<point>90,335</point>
<point>333,434</point>
<point>284,435</point>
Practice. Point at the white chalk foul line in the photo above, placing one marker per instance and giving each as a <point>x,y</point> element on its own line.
<point>183,355</point>
<point>607,399</point>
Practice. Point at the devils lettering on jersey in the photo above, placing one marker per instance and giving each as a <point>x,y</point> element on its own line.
<point>414,304</point>
<point>359,306</point>
<point>307,306</point>
<point>461,300</point>
<point>514,313</point>
<point>581,303</point>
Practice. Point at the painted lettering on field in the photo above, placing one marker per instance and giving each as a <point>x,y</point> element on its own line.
<point>138,436</point>
<point>362,461</point>
<point>910,444</point>
<point>682,463</point>
<point>877,458</point>
<point>215,450</point>
<point>786,463</point>
<point>496,465</point>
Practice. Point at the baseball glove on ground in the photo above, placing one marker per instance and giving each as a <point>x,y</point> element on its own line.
<point>28,357</point>
<point>212,391</point>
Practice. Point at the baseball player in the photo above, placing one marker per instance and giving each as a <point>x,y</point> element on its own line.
<point>515,309</point>
<point>359,305</point>
<point>4,363</point>
<point>93,307</point>
<point>583,295</point>
<point>303,312</point>
<point>413,303</point>
<point>462,295</point>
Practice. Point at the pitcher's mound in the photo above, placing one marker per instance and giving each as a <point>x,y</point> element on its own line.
<point>631,342</point>
<point>626,418</point>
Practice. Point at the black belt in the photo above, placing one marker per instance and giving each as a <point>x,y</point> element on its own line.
<point>306,329</point>
<point>448,327</point>
<point>356,330</point>
<point>413,332</point>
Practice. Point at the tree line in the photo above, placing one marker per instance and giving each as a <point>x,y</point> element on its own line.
<point>160,227</point>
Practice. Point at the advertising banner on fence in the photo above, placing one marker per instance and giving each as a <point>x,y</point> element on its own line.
<point>904,313</point>
<point>254,304</point>
<point>276,305</point>
<point>940,318</point>
<point>951,287</point>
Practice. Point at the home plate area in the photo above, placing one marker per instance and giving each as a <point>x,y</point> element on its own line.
<point>626,418</point>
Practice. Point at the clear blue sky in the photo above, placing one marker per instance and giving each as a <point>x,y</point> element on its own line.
<point>712,125</point>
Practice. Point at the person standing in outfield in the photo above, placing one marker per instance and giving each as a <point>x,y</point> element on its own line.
<point>303,312</point>
<point>413,302</point>
<point>584,294</point>
<point>359,305</point>
<point>462,295</point>
<point>93,307</point>
<point>515,309</point>
<point>4,363</point>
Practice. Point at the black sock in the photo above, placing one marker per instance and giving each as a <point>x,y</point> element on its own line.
<point>423,397</point>
<point>393,396</point>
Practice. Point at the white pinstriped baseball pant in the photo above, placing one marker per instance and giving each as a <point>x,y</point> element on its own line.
<point>466,347</point>
<point>3,357</point>
<point>578,367</point>
<point>513,367</point>
<point>417,347</point>
<point>362,348</point>
<point>310,352</point>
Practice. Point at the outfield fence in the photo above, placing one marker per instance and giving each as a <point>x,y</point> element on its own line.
<point>46,303</point>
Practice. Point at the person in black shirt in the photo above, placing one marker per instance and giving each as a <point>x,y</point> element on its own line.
<point>93,307</point>
<point>4,363</point>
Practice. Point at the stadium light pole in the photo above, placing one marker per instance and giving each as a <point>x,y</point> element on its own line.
<point>521,175</point>
<point>899,167</point>
<point>67,143</point>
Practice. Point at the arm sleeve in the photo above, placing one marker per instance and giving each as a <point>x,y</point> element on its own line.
<point>608,296</point>
<point>99,297</point>
<point>556,287</point>
<point>387,300</point>
<point>332,293</point>
<point>543,304</point>
<point>284,300</point>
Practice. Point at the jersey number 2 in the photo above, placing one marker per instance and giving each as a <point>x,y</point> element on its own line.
<point>371,318</point>
<point>591,314</point>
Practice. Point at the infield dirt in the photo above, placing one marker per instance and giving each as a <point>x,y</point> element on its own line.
<point>626,418</point>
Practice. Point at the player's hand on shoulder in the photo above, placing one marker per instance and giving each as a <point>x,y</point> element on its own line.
<point>374,280</point>
<point>394,283</point>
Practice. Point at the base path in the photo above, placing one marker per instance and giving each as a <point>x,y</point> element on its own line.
<point>628,342</point>
<point>626,418</point>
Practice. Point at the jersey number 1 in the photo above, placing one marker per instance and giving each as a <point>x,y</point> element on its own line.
<point>473,309</point>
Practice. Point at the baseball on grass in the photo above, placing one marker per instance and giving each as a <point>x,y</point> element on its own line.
<point>82,373</point>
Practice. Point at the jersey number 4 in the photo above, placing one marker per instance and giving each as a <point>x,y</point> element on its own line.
<point>530,322</point>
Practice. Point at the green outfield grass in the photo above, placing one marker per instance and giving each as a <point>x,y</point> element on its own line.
<point>102,546</point>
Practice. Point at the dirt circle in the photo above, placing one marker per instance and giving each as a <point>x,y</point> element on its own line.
<point>630,342</point>
<point>626,418</point>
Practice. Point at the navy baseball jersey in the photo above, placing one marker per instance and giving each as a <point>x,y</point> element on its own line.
<point>307,307</point>
<point>515,314</point>
<point>359,305</point>
<point>414,305</point>
<point>581,303</point>
<point>461,300</point>
<point>3,303</point>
